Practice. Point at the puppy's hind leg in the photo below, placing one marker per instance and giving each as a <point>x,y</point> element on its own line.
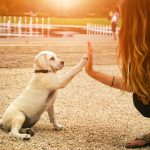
<point>52,117</point>
<point>17,123</point>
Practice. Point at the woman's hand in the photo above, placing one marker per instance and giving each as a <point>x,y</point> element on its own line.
<point>89,65</point>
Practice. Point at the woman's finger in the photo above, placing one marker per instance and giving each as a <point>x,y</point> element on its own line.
<point>90,53</point>
<point>90,57</point>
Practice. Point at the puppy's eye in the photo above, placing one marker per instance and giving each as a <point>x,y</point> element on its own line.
<point>52,58</point>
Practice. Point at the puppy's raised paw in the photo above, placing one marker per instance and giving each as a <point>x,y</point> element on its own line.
<point>84,60</point>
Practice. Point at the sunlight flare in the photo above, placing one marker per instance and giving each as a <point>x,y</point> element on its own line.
<point>66,4</point>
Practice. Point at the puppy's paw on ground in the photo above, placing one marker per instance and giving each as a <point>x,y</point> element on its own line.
<point>26,137</point>
<point>27,131</point>
<point>31,132</point>
<point>59,127</point>
<point>20,136</point>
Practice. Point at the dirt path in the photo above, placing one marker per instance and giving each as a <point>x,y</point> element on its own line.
<point>21,54</point>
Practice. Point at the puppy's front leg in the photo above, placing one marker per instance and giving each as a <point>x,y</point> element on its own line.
<point>66,78</point>
<point>52,117</point>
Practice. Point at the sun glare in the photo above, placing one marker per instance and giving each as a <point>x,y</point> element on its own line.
<point>66,4</point>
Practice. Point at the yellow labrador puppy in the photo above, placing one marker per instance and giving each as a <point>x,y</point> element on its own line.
<point>39,96</point>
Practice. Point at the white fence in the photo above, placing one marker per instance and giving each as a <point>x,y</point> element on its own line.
<point>24,26</point>
<point>41,27</point>
<point>96,29</point>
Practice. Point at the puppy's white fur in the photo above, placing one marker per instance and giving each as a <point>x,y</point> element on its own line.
<point>38,96</point>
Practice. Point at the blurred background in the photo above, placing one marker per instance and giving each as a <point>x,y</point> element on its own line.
<point>58,8</point>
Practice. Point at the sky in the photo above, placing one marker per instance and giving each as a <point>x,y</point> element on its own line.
<point>57,7</point>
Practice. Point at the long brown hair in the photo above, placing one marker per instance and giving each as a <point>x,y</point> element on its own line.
<point>134,46</point>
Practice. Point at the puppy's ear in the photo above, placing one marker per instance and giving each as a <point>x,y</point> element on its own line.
<point>41,61</point>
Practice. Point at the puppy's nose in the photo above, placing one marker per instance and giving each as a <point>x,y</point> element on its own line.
<point>62,62</point>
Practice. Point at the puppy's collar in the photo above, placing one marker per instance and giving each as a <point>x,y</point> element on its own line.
<point>41,71</point>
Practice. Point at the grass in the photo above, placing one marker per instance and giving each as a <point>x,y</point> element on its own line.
<point>80,21</point>
<point>60,21</point>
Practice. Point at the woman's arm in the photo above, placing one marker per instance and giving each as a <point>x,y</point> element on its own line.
<point>110,80</point>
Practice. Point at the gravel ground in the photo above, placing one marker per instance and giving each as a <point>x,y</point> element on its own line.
<point>95,117</point>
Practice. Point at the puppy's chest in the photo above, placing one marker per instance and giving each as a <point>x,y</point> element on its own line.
<point>43,104</point>
<point>39,102</point>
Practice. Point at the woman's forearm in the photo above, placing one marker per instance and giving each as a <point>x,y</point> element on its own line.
<point>110,80</point>
<point>101,77</point>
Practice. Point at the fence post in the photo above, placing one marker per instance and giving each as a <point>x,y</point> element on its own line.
<point>48,26</point>
<point>15,20</point>
<point>88,28</point>
<point>25,25</point>
<point>95,29</point>
<point>30,26</point>
<point>19,28</point>
<point>42,26</point>
<point>4,24</point>
<point>8,28</point>
<point>37,21</point>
